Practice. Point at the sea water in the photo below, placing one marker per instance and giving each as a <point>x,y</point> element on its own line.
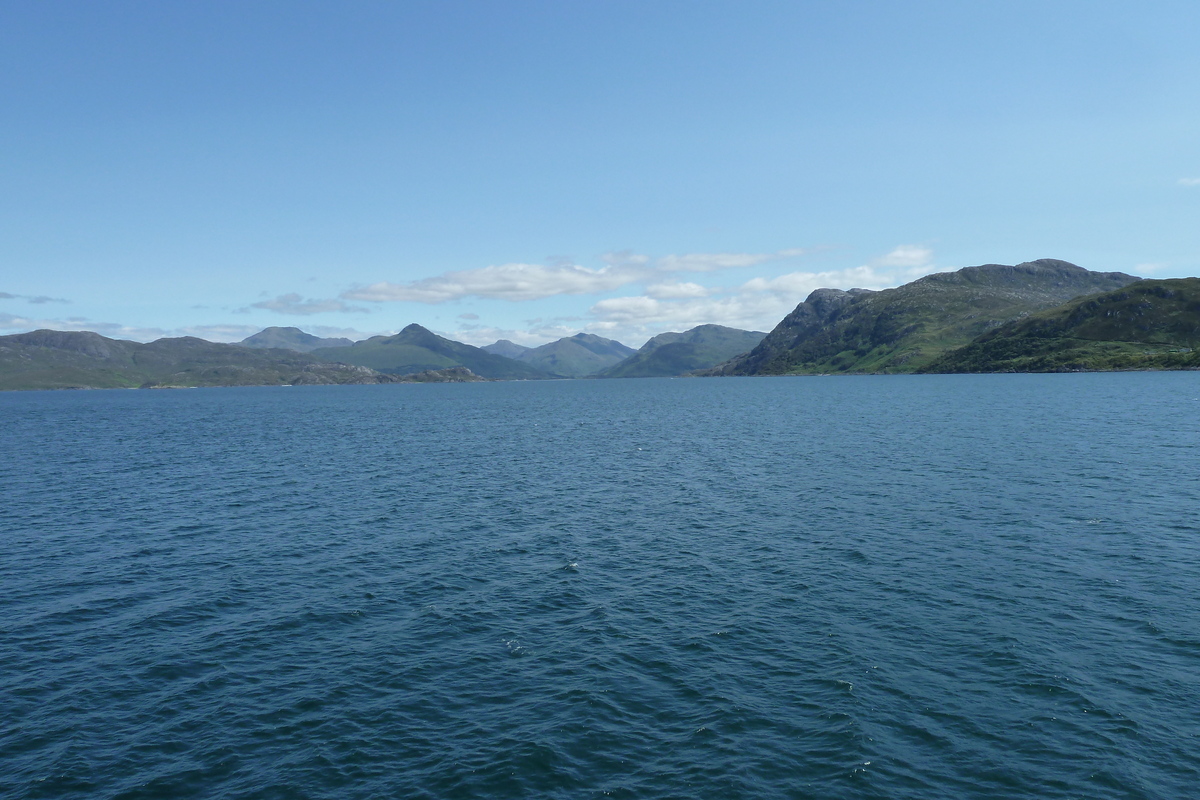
<point>855,587</point>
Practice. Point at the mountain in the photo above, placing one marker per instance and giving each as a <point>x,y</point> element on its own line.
<point>416,349</point>
<point>577,356</point>
<point>677,353</point>
<point>81,359</point>
<point>1147,325</point>
<point>906,328</point>
<point>505,348</point>
<point>291,339</point>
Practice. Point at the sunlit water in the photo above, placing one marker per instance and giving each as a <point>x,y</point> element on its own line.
<point>877,587</point>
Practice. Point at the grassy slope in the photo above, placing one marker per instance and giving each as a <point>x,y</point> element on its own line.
<point>907,328</point>
<point>1148,325</point>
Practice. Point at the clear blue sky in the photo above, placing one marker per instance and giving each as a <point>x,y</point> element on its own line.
<point>528,170</point>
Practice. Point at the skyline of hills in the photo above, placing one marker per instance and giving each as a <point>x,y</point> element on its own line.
<point>991,318</point>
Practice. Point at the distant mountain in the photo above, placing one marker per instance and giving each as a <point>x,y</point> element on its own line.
<point>80,359</point>
<point>906,328</point>
<point>416,349</point>
<point>505,348</point>
<point>1147,325</point>
<point>291,339</point>
<point>677,353</point>
<point>577,356</point>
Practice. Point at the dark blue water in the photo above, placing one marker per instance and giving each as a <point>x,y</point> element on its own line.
<point>878,587</point>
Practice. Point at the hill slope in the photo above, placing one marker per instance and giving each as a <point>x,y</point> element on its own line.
<point>1148,325</point>
<point>577,356</point>
<point>906,328</point>
<point>81,359</point>
<point>291,339</point>
<point>673,353</point>
<point>416,349</point>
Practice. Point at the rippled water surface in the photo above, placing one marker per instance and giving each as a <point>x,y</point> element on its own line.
<point>876,587</point>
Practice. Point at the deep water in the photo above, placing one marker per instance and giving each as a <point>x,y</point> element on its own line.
<point>877,587</point>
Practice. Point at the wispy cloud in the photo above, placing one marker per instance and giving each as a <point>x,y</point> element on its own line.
<point>711,262</point>
<point>40,299</point>
<point>906,255</point>
<point>515,282</point>
<point>294,304</point>
<point>521,282</point>
<point>675,290</point>
<point>16,323</point>
<point>1150,267</point>
<point>1189,181</point>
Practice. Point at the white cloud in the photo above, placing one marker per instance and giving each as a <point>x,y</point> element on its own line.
<point>800,284</point>
<point>711,262</point>
<point>296,305</point>
<point>515,282</point>
<point>627,309</point>
<point>217,333</point>
<point>675,291</point>
<point>906,255</point>
<point>1189,181</point>
<point>520,282</point>
<point>18,324</point>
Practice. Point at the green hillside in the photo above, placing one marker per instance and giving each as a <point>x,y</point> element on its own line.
<point>907,328</point>
<point>416,349</point>
<point>81,359</point>
<point>678,353</point>
<point>1148,325</point>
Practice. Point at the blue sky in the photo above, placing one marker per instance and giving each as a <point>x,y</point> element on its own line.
<point>528,170</point>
